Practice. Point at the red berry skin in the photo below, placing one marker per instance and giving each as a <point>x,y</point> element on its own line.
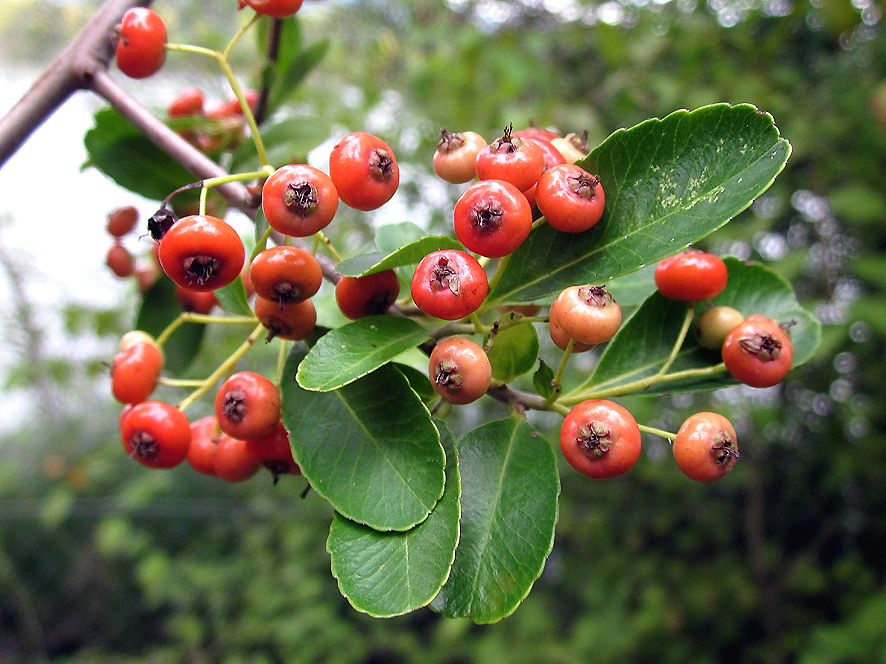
<point>205,435</point>
<point>364,170</point>
<point>492,218</point>
<point>134,372</point>
<point>692,276</point>
<point>274,452</point>
<point>600,439</point>
<point>561,339</point>
<point>459,370</point>
<point>156,434</point>
<point>141,49</point>
<point>456,156</point>
<point>198,302</point>
<point>369,295</point>
<point>449,284</point>
<point>122,220</point>
<point>285,274</point>
<point>247,405</point>
<point>295,320</point>
<point>189,102</point>
<point>570,198</point>
<point>201,253</point>
<point>299,200</point>
<point>588,314</point>
<point>120,261</point>
<point>233,462</point>
<point>273,8</point>
<point>706,447</point>
<point>758,352</point>
<point>514,160</point>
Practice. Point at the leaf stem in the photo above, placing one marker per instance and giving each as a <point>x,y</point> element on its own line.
<point>658,432</point>
<point>223,368</point>
<point>644,383</point>
<point>188,317</point>
<point>222,60</point>
<point>320,237</point>
<point>567,353</point>
<point>681,337</point>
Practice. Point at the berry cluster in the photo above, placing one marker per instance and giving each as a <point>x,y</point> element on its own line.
<point>478,298</point>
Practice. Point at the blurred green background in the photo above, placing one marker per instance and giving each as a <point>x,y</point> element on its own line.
<point>102,560</point>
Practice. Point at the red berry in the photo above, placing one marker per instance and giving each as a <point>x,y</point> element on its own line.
<point>274,452</point>
<point>122,220</point>
<point>456,156</point>
<point>364,171</point>
<point>459,370</point>
<point>561,339</point>
<point>205,435</point>
<point>135,370</point>
<point>492,218</point>
<point>299,200</point>
<point>232,461</point>
<point>369,295</point>
<point>600,439</point>
<point>156,434</point>
<point>141,49</point>
<point>198,302</point>
<point>120,261</point>
<point>511,159</point>
<point>247,405</point>
<point>202,253</point>
<point>570,198</point>
<point>588,314</point>
<point>188,102</point>
<point>758,352</point>
<point>692,276</point>
<point>295,320</point>
<point>449,284</point>
<point>285,275</point>
<point>706,447</point>
<point>273,8</point>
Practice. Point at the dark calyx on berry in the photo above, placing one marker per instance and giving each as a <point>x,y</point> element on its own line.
<point>381,164</point>
<point>447,376</point>
<point>765,347</point>
<point>487,217</point>
<point>594,440</point>
<point>160,222</point>
<point>200,269</point>
<point>144,446</point>
<point>301,198</point>
<point>443,277</point>
<point>234,406</point>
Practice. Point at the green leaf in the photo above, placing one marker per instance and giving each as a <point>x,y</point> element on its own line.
<point>159,308</point>
<point>542,379</point>
<point>645,341</point>
<point>418,381</point>
<point>509,496</point>
<point>233,298</point>
<point>409,255</point>
<point>354,350</point>
<point>391,237</point>
<point>129,158</point>
<point>388,574</point>
<point>513,352</point>
<point>369,448</point>
<point>668,183</point>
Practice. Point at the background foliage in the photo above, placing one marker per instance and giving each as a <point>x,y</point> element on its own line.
<point>784,561</point>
